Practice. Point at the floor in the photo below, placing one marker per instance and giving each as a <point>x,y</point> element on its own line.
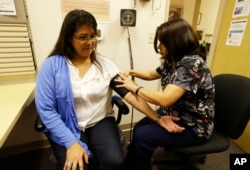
<point>42,160</point>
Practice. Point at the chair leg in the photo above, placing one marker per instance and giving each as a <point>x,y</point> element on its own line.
<point>190,161</point>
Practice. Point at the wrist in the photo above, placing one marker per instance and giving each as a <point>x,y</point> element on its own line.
<point>129,72</point>
<point>138,89</point>
<point>157,119</point>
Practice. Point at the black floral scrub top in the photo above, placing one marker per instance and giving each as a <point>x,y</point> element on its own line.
<point>196,106</point>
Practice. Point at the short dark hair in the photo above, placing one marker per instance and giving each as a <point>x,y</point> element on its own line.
<point>179,38</point>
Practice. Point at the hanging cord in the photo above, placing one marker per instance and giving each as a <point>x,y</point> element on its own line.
<point>131,67</point>
<point>130,52</point>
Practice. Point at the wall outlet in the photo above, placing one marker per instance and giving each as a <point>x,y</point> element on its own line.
<point>151,37</point>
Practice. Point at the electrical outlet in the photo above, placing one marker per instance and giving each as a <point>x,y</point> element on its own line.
<point>151,37</point>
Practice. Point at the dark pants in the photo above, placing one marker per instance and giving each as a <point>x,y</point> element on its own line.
<point>147,136</point>
<point>104,142</point>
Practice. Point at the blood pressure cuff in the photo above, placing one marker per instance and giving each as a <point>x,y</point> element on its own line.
<point>122,91</point>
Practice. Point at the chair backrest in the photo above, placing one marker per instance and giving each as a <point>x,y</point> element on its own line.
<point>232,104</point>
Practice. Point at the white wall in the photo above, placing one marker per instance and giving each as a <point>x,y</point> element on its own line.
<point>188,7</point>
<point>45,20</point>
<point>209,10</point>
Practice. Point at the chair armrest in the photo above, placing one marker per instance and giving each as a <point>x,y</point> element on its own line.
<point>122,107</point>
<point>39,126</point>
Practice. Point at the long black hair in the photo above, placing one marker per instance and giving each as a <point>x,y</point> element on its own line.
<point>72,21</point>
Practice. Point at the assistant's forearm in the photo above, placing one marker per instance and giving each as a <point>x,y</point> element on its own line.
<point>151,96</point>
<point>141,105</point>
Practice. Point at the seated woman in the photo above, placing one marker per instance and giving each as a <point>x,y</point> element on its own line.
<point>186,98</point>
<point>73,98</point>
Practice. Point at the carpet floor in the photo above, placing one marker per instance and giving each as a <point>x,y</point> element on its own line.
<point>41,159</point>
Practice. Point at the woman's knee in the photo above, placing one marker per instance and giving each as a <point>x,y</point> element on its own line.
<point>140,135</point>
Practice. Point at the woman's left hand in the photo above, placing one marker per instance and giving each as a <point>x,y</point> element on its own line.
<point>126,83</point>
<point>76,157</point>
<point>168,123</point>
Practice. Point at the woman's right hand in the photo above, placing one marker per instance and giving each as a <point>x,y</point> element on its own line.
<point>125,73</point>
<point>168,123</point>
<point>74,157</point>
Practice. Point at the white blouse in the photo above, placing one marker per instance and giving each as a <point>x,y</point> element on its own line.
<point>92,94</point>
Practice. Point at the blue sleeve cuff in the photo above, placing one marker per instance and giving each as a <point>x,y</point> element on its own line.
<point>86,148</point>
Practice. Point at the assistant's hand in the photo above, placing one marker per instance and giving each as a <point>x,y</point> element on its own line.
<point>126,82</point>
<point>126,73</point>
<point>168,123</point>
<point>74,157</point>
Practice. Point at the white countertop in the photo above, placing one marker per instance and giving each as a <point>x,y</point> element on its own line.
<point>13,100</point>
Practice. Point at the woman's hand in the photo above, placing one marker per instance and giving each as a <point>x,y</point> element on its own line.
<point>74,157</point>
<point>125,73</point>
<point>126,82</point>
<point>168,123</point>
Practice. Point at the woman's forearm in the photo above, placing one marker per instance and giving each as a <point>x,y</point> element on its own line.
<point>144,74</point>
<point>141,105</point>
<point>167,122</point>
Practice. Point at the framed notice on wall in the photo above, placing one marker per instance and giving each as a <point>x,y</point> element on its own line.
<point>7,7</point>
<point>175,11</point>
<point>241,8</point>
<point>12,11</point>
<point>236,32</point>
<point>99,8</point>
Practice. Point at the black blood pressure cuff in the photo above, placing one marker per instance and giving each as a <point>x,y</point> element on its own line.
<point>122,91</point>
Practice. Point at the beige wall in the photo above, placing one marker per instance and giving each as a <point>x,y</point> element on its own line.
<point>233,59</point>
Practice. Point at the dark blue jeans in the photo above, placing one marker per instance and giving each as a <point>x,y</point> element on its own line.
<point>103,140</point>
<point>147,136</point>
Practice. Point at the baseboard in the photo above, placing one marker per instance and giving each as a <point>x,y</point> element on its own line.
<point>126,127</point>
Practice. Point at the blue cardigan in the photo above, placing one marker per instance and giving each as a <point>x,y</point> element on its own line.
<point>55,104</point>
